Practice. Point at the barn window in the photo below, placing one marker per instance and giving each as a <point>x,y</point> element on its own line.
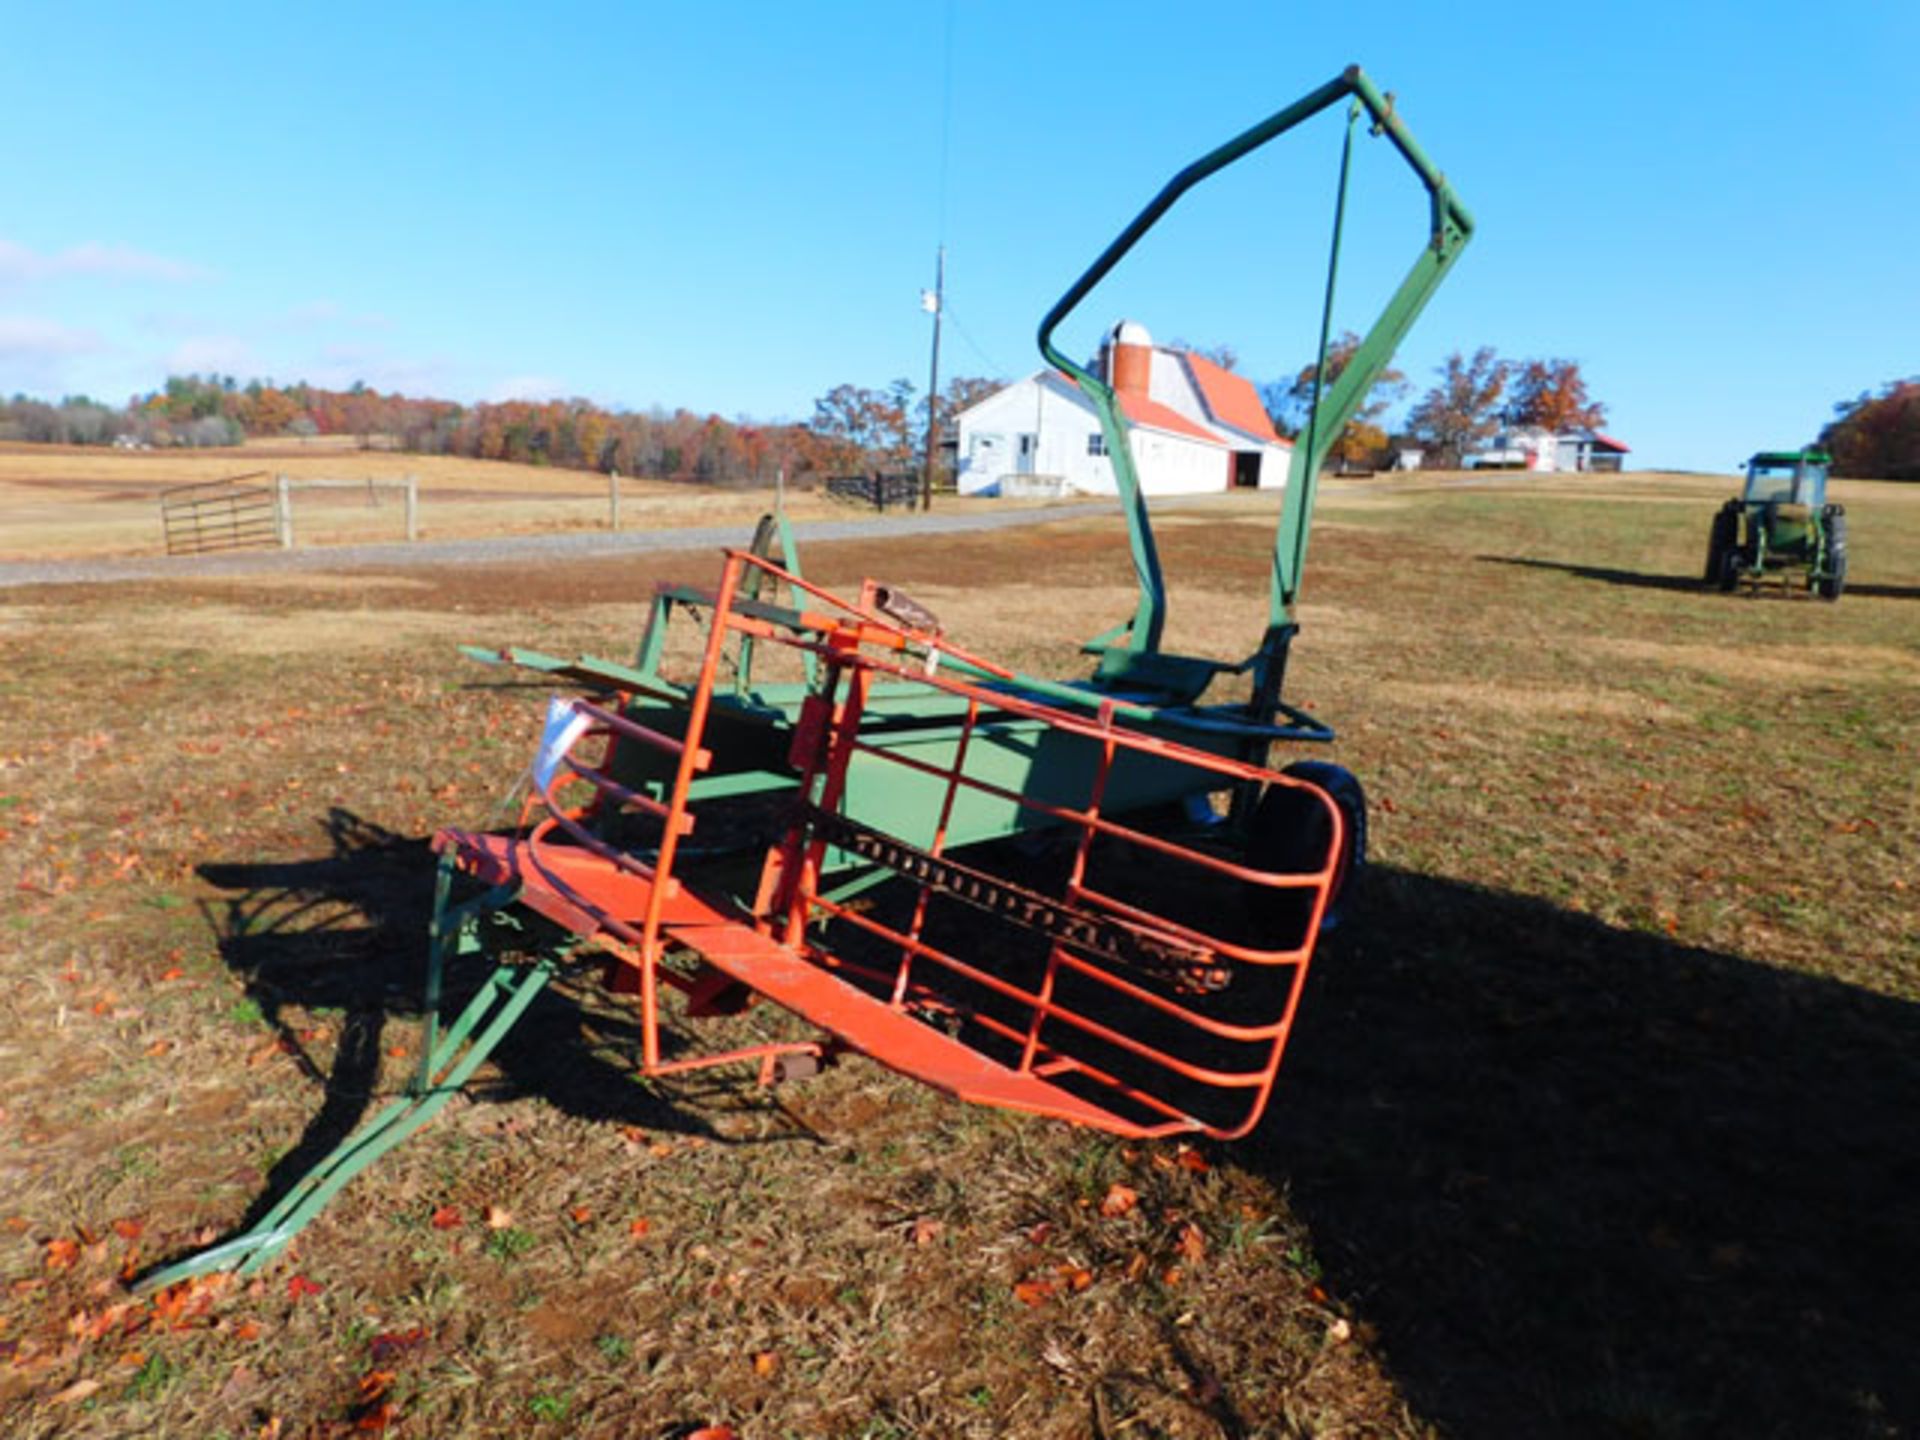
<point>1096,444</point>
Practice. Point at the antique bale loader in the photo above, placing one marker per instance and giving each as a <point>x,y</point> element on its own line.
<point>1090,899</point>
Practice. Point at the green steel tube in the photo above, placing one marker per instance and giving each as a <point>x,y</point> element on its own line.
<point>1451,227</point>
<point>500,1003</point>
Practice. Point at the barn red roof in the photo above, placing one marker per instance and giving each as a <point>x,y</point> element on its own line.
<point>1142,411</point>
<point>1607,442</point>
<point>1231,399</point>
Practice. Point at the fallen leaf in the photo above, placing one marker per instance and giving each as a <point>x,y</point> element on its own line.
<point>299,1287</point>
<point>581,1214</point>
<point>712,1432</point>
<point>766,1362</point>
<point>1340,1331</point>
<point>1040,1233</point>
<point>1076,1277</point>
<point>447,1218</point>
<point>925,1231</point>
<point>1119,1200</point>
<point>498,1217</point>
<point>1189,1159</point>
<point>1136,1267</point>
<point>1034,1292</point>
<point>1170,1276</point>
<point>1317,1294</point>
<point>127,1229</point>
<point>639,1228</point>
<point>176,973</point>
<point>374,1384</point>
<point>134,1359</point>
<point>62,1253</point>
<point>74,1393</point>
<point>1192,1244</point>
<point>246,1330</point>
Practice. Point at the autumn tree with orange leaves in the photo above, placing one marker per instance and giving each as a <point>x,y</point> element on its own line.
<point>1552,396</point>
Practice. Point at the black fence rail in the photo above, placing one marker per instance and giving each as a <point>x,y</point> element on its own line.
<point>230,514</point>
<point>878,491</point>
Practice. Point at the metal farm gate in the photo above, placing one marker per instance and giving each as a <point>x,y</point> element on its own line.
<point>881,490</point>
<point>230,514</point>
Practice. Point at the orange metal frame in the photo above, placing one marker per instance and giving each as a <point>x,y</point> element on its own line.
<point>1062,1028</point>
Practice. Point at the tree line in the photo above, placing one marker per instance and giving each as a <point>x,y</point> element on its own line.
<point>852,428</point>
<point>1877,435</point>
<point>855,428</point>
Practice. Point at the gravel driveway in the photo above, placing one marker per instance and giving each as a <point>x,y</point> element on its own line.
<point>515,547</point>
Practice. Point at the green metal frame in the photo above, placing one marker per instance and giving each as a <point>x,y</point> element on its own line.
<point>1451,226</point>
<point>447,1062</point>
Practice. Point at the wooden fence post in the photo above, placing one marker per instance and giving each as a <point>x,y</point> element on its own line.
<point>283,509</point>
<point>613,499</point>
<point>413,508</point>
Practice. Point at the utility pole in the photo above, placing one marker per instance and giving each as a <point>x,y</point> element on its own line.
<point>934,302</point>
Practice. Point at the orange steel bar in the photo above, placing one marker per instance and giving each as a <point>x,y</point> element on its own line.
<point>634,731</point>
<point>635,925</point>
<point>607,785</point>
<point>1259,1081</point>
<point>1250,1034</point>
<point>692,759</point>
<point>939,844</point>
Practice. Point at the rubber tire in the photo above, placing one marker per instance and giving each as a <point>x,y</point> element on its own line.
<point>1732,562</point>
<point>1835,518</point>
<point>1288,836</point>
<point>1720,539</point>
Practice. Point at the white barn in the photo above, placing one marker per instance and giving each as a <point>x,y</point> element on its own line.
<point>1196,427</point>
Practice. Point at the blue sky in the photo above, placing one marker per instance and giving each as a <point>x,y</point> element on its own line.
<point>733,207</point>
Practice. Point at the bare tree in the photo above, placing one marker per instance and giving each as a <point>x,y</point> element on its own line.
<point>1463,410</point>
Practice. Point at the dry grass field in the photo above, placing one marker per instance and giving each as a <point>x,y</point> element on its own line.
<point>69,501</point>
<point>1598,1120</point>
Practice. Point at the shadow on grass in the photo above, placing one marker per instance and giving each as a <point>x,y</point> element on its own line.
<point>1690,583</point>
<point>347,931</point>
<point>1585,1181</point>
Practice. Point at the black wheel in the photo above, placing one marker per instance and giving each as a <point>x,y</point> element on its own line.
<point>1834,522</point>
<point>1720,539</point>
<point>1732,561</point>
<point>1289,835</point>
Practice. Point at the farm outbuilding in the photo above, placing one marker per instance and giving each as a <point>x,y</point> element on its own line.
<point>1531,448</point>
<point>1196,427</point>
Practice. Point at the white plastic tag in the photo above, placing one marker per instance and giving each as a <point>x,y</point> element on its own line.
<point>566,723</point>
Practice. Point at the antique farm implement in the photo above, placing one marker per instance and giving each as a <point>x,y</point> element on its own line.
<point>1093,900</point>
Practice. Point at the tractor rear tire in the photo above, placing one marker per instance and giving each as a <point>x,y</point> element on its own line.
<point>1733,562</point>
<point>1835,523</point>
<point>1720,539</point>
<point>1289,836</point>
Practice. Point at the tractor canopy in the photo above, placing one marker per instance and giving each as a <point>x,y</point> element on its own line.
<point>1788,477</point>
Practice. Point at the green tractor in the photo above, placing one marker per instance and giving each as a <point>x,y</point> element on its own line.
<point>1781,522</point>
